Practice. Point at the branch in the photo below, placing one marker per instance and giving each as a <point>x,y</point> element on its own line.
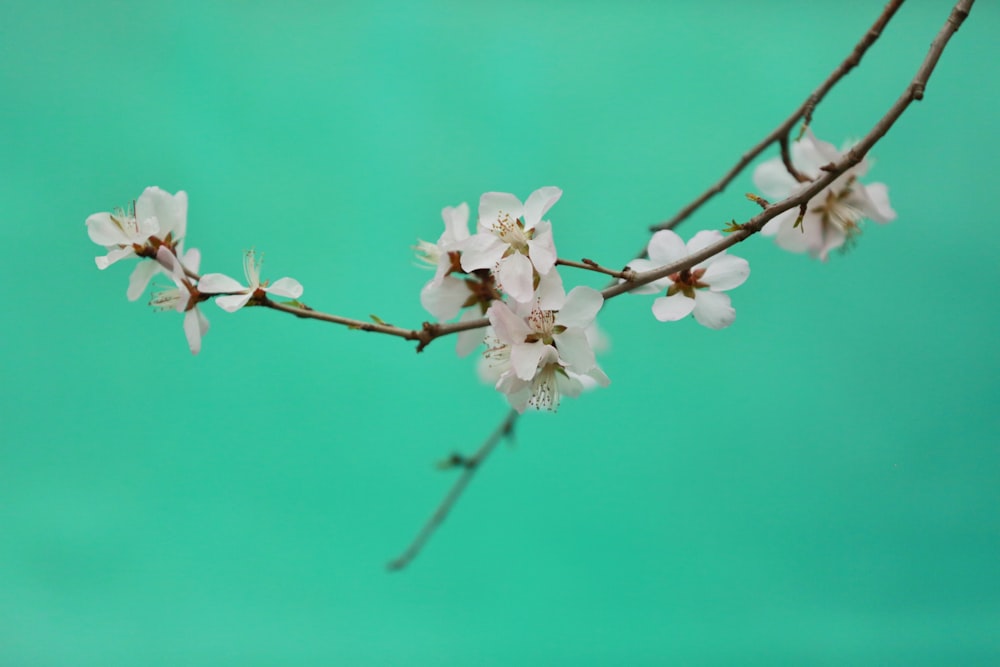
<point>469,467</point>
<point>591,265</point>
<point>804,111</point>
<point>914,91</point>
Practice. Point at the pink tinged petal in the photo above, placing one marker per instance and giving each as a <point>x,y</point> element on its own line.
<point>726,272</point>
<point>666,247</point>
<point>641,266</point>
<point>581,307</point>
<point>538,204</point>
<point>509,327</point>
<point>809,154</point>
<point>103,231</point>
<point>568,385</point>
<point>542,249</point>
<point>113,256</point>
<point>713,309</point>
<point>233,302</point>
<point>139,280</point>
<point>216,283</point>
<point>551,295</point>
<point>482,251</point>
<point>469,339</point>
<point>598,376</point>
<point>517,391</point>
<point>672,308</point>
<point>874,200</point>
<point>524,359</point>
<point>516,277</point>
<point>777,222</point>
<point>169,210</point>
<point>773,180</point>
<point>192,260</point>
<point>456,224</point>
<point>287,287</point>
<point>444,300</point>
<point>575,351</point>
<point>702,240</point>
<point>497,205</point>
<point>195,326</point>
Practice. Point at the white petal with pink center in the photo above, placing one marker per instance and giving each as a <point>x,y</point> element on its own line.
<point>697,290</point>
<point>513,241</point>
<point>834,214</point>
<point>236,295</point>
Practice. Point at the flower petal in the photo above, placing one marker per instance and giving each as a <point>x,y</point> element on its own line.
<point>169,210</point>
<point>581,307</point>
<point>141,275</point>
<point>195,326</point>
<point>217,283</point>
<point>515,274</point>
<point>482,251</point>
<point>873,202</point>
<point>772,179</point>
<point>777,222</point>
<point>103,231</point>
<point>726,272</point>
<point>469,339</point>
<point>524,358</point>
<point>550,295</point>
<point>113,256</point>
<point>444,300</point>
<point>456,224</point>
<point>641,266</point>
<point>538,204</point>
<point>542,248</point>
<point>713,309</point>
<point>702,240</point>
<point>233,302</point>
<point>287,287</point>
<point>509,328</point>
<point>497,206</point>
<point>666,247</point>
<point>575,351</point>
<point>672,308</point>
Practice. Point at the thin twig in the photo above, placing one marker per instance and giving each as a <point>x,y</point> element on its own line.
<point>469,467</point>
<point>804,111</point>
<point>591,265</point>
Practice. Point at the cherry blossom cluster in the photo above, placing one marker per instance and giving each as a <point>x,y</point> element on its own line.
<point>502,282</point>
<point>152,230</point>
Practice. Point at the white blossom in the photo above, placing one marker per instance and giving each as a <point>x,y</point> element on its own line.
<point>515,243</point>
<point>834,214</point>
<point>179,297</point>
<point>236,295</point>
<point>698,290</point>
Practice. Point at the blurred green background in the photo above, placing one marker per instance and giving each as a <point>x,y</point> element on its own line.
<point>817,485</point>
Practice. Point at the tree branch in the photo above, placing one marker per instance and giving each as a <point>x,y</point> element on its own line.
<point>914,91</point>
<point>469,467</point>
<point>804,111</point>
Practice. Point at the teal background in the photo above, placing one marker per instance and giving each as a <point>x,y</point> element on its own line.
<point>817,485</point>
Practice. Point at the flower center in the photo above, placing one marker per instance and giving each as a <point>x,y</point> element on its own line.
<point>511,231</point>
<point>543,325</point>
<point>125,220</point>
<point>687,281</point>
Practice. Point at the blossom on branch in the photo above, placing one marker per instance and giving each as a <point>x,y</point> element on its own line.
<point>540,354</point>
<point>236,295</point>
<point>182,297</point>
<point>833,215</point>
<point>698,290</point>
<point>515,244</point>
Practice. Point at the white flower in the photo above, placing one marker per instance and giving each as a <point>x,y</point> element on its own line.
<point>170,212</point>
<point>834,214</point>
<point>120,231</point>
<point>696,290</point>
<point>444,295</point>
<point>179,297</point>
<point>237,295</point>
<point>538,356</point>
<point>515,243</point>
